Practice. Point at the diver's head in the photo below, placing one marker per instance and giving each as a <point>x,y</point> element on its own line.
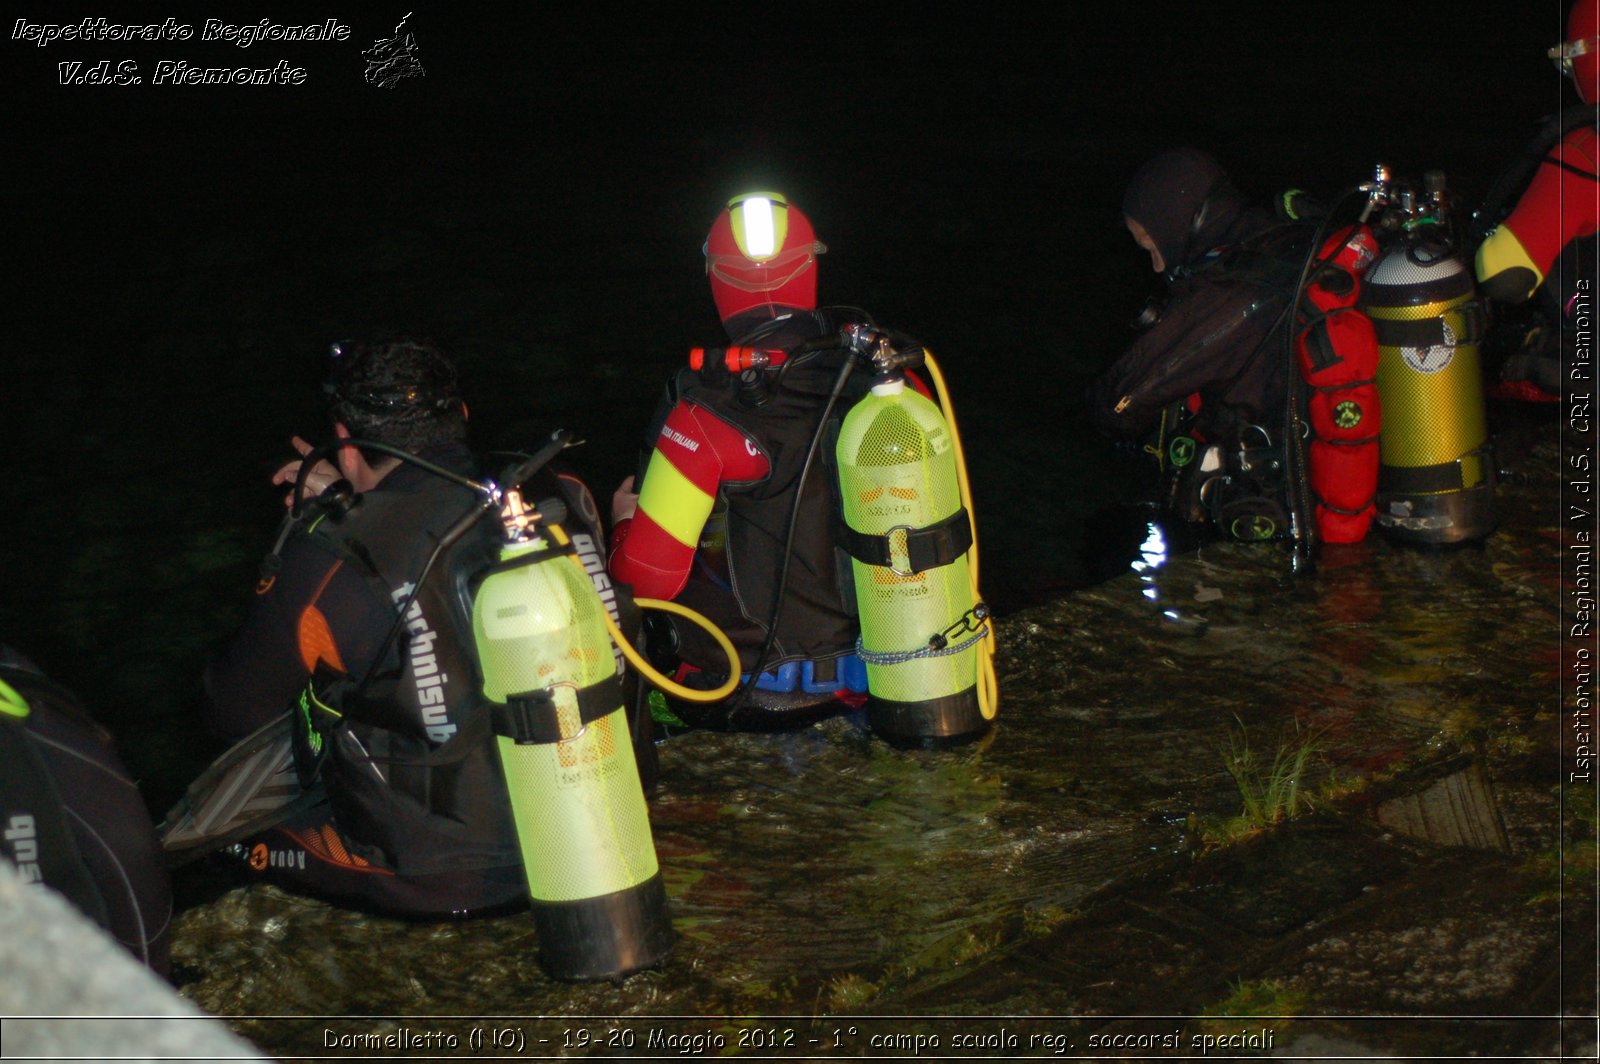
<point>761,256</point>
<point>398,391</point>
<point>1179,205</point>
<point>1142,237</point>
<point>1578,56</point>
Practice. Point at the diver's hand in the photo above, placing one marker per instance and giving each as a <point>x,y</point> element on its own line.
<point>624,501</point>
<point>322,474</point>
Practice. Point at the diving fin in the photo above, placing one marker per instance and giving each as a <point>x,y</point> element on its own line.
<point>251,787</point>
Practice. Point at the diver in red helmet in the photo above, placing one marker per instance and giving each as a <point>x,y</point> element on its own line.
<point>710,525</point>
<point>1547,244</point>
<point>761,257</point>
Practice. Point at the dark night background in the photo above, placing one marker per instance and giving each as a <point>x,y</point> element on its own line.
<point>181,255</point>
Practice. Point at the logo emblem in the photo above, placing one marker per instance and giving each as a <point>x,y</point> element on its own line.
<point>1347,415</point>
<point>392,59</point>
<point>1435,357</point>
<point>1180,452</point>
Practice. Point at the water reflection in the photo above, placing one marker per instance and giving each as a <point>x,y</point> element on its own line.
<point>1152,556</point>
<point>823,872</point>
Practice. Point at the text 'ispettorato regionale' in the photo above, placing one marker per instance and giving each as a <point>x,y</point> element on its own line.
<point>176,72</point>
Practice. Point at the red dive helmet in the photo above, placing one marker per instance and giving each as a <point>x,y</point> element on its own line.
<point>1578,56</point>
<point>761,254</point>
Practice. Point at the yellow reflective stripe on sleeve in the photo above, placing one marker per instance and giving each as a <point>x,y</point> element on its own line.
<point>673,501</point>
<point>1502,251</point>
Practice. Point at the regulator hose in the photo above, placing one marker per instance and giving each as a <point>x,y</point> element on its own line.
<point>776,613</point>
<point>319,454</point>
<point>988,684</point>
<point>666,683</point>
<point>485,493</point>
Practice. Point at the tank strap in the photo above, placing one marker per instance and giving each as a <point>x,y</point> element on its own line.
<point>1429,332</point>
<point>533,557</point>
<point>919,548</point>
<point>1468,471</point>
<point>1422,480</point>
<point>531,717</point>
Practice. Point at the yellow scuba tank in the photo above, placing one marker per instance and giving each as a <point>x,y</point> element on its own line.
<point>909,535</point>
<point>543,644</point>
<point>1436,474</point>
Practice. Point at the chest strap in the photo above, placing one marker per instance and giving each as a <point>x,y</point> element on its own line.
<point>904,550</point>
<point>531,717</point>
<point>1578,170</point>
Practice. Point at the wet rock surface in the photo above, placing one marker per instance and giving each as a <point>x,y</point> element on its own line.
<point>1066,866</point>
<point>73,993</point>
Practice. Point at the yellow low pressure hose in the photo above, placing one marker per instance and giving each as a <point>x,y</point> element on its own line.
<point>666,683</point>
<point>677,690</point>
<point>12,704</point>
<point>988,684</point>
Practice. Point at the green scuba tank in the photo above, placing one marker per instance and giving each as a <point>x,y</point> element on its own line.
<point>599,902</point>
<point>1435,474</point>
<point>909,537</point>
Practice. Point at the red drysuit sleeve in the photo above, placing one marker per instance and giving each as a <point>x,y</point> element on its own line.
<point>695,453</point>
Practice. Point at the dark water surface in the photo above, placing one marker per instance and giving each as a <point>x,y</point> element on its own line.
<point>1062,867</point>
<point>538,202</point>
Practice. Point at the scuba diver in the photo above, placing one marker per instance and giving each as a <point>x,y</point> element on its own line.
<point>1546,245</point>
<point>738,512</point>
<point>71,816</point>
<point>1207,376</point>
<point>360,637</point>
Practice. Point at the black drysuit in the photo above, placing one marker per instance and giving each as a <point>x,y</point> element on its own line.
<point>416,820</point>
<point>1231,270</point>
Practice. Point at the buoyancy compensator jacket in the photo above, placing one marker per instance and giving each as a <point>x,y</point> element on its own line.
<point>71,816</point>
<point>408,764</point>
<point>1206,383</point>
<point>777,411</point>
<point>407,756</point>
<point>1218,336</point>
